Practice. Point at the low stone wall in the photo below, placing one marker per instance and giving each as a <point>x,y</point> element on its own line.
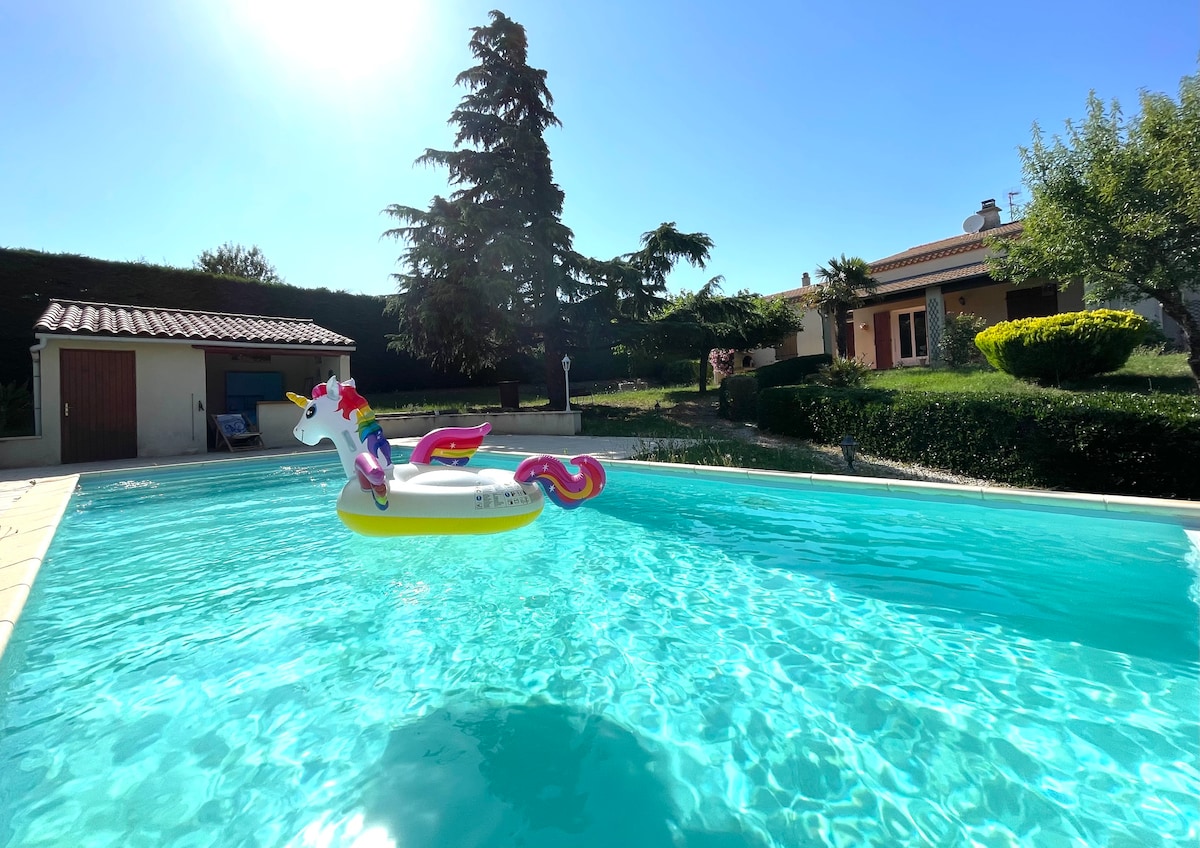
<point>401,426</point>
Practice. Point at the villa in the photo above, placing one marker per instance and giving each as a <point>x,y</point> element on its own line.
<point>920,287</point>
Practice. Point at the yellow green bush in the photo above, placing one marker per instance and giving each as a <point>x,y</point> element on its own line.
<point>1065,347</point>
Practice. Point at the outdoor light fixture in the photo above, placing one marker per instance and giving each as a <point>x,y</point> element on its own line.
<point>849,448</point>
<point>962,301</point>
<point>566,363</point>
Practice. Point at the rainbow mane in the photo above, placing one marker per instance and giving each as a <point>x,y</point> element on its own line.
<point>372,463</point>
<point>450,445</point>
<point>564,488</point>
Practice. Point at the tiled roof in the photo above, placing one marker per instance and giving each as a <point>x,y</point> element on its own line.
<point>110,319</point>
<point>935,278</point>
<point>926,252</point>
<point>790,294</point>
<point>945,247</point>
<point>919,281</point>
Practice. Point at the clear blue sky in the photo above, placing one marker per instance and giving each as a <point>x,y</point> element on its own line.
<point>790,132</point>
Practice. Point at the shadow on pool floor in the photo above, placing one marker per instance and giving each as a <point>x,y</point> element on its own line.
<point>533,774</point>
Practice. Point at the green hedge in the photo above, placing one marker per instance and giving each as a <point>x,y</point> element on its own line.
<point>791,372</point>
<point>29,279</point>
<point>738,398</point>
<point>1112,443</point>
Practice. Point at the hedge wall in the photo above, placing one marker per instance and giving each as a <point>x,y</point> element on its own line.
<point>1111,443</point>
<point>737,398</point>
<point>29,279</point>
<point>791,372</point>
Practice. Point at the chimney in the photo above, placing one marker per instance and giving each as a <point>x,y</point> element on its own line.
<point>805,280</point>
<point>990,212</point>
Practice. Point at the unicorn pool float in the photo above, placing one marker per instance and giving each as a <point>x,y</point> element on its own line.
<point>420,498</point>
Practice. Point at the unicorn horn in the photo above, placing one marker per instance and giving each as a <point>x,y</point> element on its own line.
<point>299,400</point>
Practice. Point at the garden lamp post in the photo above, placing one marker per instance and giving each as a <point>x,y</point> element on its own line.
<point>566,363</point>
<point>849,448</point>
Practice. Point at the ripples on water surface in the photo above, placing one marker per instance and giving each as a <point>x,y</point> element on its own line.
<point>211,659</point>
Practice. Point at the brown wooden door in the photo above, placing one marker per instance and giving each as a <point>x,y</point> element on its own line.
<point>99,404</point>
<point>883,339</point>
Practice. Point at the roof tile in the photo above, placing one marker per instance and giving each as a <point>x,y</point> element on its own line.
<point>110,319</point>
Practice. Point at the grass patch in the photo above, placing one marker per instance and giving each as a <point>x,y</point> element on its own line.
<point>612,419</point>
<point>1145,373</point>
<point>475,398</point>
<point>533,398</point>
<point>921,379</point>
<point>635,414</point>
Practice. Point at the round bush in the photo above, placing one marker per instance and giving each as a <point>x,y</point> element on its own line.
<point>1069,346</point>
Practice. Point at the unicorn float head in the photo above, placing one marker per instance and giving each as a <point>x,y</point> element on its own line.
<point>433,493</point>
<point>339,413</point>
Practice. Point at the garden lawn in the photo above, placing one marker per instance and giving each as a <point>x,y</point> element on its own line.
<point>1144,373</point>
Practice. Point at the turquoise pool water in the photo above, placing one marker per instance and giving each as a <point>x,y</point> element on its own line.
<point>208,658</point>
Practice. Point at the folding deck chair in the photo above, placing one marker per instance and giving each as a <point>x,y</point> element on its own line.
<point>236,433</point>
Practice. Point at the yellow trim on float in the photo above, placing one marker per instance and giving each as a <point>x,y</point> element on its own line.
<point>387,525</point>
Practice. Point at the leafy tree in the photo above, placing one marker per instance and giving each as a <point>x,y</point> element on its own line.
<point>697,323</point>
<point>846,284</point>
<point>236,261</point>
<point>491,271</point>
<point>1116,203</point>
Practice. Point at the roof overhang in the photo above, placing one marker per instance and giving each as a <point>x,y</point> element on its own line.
<point>213,346</point>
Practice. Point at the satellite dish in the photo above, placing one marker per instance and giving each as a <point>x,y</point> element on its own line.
<point>973,224</point>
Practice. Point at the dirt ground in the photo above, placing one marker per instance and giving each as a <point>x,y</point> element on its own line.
<point>702,412</point>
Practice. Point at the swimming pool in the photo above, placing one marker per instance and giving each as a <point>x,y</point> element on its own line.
<point>209,658</point>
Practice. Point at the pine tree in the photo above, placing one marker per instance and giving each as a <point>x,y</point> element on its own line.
<point>491,270</point>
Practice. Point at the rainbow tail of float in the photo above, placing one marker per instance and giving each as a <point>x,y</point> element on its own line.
<point>564,488</point>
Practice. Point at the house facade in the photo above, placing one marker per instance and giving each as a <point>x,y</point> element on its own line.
<point>119,382</point>
<point>920,287</point>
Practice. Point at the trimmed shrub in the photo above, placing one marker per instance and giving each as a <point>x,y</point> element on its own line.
<point>958,340</point>
<point>1069,346</point>
<point>1113,443</point>
<point>791,372</point>
<point>738,398</point>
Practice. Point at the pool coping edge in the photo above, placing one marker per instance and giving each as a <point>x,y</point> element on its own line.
<point>27,527</point>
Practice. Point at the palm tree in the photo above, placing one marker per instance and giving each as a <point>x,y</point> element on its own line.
<point>845,284</point>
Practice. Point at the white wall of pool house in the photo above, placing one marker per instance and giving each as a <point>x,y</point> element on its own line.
<point>178,385</point>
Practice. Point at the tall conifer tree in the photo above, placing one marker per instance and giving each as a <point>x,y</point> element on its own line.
<point>491,270</point>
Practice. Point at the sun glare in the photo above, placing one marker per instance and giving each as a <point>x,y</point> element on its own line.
<point>350,40</point>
